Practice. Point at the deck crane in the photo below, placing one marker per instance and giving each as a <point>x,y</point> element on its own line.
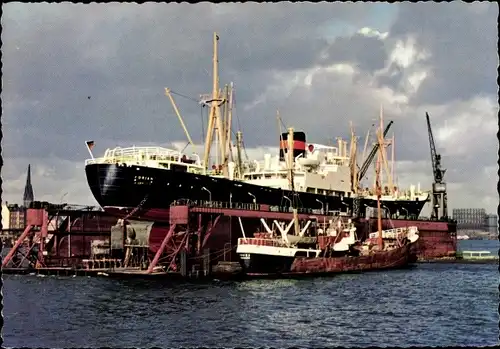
<point>439,197</point>
<point>371,156</point>
<point>169,95</point>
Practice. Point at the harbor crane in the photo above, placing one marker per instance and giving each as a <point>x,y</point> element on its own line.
<point>439,196</point>
<point>371,156</point>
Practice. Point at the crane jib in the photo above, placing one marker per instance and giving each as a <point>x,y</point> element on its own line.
<point>371,156</point>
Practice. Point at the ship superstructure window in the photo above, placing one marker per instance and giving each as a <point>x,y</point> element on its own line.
<point>270,175</point>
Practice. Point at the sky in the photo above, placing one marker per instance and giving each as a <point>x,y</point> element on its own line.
<point>321,65</point>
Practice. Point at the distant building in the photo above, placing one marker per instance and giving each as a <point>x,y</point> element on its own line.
<point>5,217</point>
<point>470,218</point>
<point>14,215</point>
<point>491,223</point>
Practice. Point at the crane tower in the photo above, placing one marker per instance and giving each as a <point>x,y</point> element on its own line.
<point>439,196</point>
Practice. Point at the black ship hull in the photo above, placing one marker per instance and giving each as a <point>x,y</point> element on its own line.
<point>254,263</point>
<point>120,187</point>
<point>261,265</point>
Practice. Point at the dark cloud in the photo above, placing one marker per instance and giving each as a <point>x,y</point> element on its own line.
<point>367,53</point>
<point>462,43</point>
<point>123,55</point>
<point>392,78</point>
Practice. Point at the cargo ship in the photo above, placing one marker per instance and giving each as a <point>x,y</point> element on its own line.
<point>144,181</point>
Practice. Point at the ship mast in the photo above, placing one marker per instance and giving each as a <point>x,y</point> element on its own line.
<point>227,125</point>
<point>214,119</point>
<point>290,145</point>
<point>392,161</point>
<point>239,145</point>
<point>380,241</point>
<point>384,145</point>
<point>353,162</point>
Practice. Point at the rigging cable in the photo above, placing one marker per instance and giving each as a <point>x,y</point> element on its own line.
<point>184,96</point>
<point>202,123</point>
<point>187,144</point>
<point>234,111</point>
<point>202,105</point>
<point>281,120</point>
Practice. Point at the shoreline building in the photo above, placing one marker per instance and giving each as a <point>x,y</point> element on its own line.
<point>492,223</point>
<point>475,219</point>
<point>14,215</point>
<point>470,218</point>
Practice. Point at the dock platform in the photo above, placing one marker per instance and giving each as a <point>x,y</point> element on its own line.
<point>114,273</point>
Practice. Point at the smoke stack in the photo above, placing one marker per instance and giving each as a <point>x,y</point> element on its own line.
<point>299,144</point>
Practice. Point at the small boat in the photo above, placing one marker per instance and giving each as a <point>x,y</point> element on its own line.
<point>337,251</point>
<point>476,255</point>
<point>325,248</point>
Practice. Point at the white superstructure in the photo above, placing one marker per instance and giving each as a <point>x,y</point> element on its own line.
<point>323,170</point>
<point>320,170</point>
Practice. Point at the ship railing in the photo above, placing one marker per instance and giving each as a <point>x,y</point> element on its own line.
<point>392,233</point>
<point>261,242</point>
<point>138,154</point>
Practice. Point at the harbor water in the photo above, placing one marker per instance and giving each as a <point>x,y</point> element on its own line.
<point>429,305</point>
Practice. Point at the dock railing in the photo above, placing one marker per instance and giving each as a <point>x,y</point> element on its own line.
<point>261,242</point>
<point>241,206</point>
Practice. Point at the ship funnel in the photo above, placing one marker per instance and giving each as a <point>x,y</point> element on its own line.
<point>299,145</point>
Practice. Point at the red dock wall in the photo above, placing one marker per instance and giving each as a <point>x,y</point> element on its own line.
<point>437,238</point>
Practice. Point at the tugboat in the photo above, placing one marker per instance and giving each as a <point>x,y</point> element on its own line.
<point>331,247</point>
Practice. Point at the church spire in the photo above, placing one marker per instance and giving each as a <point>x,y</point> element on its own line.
<point>28,196</point>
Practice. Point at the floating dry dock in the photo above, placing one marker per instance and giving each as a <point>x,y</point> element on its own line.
<point>191,241</point>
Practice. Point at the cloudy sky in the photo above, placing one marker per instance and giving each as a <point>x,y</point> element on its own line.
<point>321,65</point>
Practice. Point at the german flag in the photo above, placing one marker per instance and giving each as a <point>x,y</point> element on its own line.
<point>90,145</point>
